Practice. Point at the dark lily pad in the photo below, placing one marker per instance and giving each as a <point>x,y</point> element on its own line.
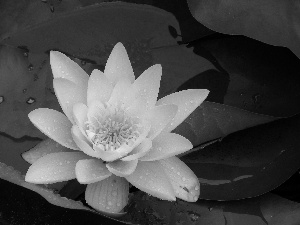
<point>271,21</point>
<point>252,75</point>
<point>249,162</point>
<point>267,209</point>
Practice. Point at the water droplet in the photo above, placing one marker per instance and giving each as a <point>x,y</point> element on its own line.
<point>51,8</point>
<point>114,193</point>
<point>24,90</point>
<point>197,188</point>
<point>178,173</point>
<point>191,101</point>
<point>210,208</point>
<point>25,54</point>
<point>30,67</point>
<point>30,100</point>
<point>1,99</point>
<point>60,163</point>
<point>183,179</point>
<point>109,203</point>
<point>160,148</point>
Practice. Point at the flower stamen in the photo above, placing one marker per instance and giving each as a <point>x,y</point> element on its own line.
<point>113,129</point>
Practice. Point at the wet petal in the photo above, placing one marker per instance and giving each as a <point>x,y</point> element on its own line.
<point>54,167</point>
<point>144,90</point>
<point>122,168</point>
<point>185,183</point>
<point>55,125</point>
<point>109,195</point>
<point>139,150</point>
<point>63,67</point>
<point>122,86</point>
<point>82,142</point>
<point>68,94</point>
<point>80,117</point>
<point>91,171</point>
<point>99,87</point>
<point>160,116</point>
<point>150,178</point>
<point>43,148</point>
<point>118,65</point>
<point>166,145</point>
<point>112,155</point>
<point>187,101</point>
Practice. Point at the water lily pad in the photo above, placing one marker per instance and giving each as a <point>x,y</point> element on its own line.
<point>271,21</point>
<point>249,162</point>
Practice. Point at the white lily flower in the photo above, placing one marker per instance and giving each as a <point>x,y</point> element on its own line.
<point>118,133</point>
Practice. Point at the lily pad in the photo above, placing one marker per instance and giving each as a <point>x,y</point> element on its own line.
<point>249,162</point>
<point>271,21</point>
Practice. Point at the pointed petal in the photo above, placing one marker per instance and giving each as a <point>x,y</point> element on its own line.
<point>55,125</point>
<point>43,148</point>
<point>68,94</point>
<point>160,116</point>
<point>90,171</point>
<point>118,65</point>
<point>112,155</point>
<point>63,67</point>
<point>145,89</point>
<point>80,116</point>
<point>99,87</point>
<point>122,168</point>
<point>109,195</point>
<point>187,101</point>
<point>121,87</point>
<point>82,142</point>
<point>139,150</point>
<point>185,183</point>
<point>150,178</point>
<point>167,145</point>
<point>95,110</point>
<point>54,167</point>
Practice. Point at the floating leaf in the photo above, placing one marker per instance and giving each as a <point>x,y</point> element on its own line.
<point>212,120</point>
<point>249,162</point>
<point>271,21</point>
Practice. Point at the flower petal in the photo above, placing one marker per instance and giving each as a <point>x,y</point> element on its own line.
<point>185,183</point>
<point>166,145</point>
<point>139,150</point>
<point>82,142</point>
<point>80,116</point>
<point>160,116</point>
<point>68,94</point>
<point>187,101</point>
<point>43,148</point>
<point>121,87</point>
<point>63,67</point>
<point>91,171</point>
<point>150,178</point>
<point>122,168</point>
<point>118,65</point>
<point>55,125</point>
<point>109,195</point>
<point>112,155</point>
<point>144,90</point>
<point>99,87</point>
<point>54,167</point>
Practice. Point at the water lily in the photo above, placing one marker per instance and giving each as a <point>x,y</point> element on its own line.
<point>116,132</point>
